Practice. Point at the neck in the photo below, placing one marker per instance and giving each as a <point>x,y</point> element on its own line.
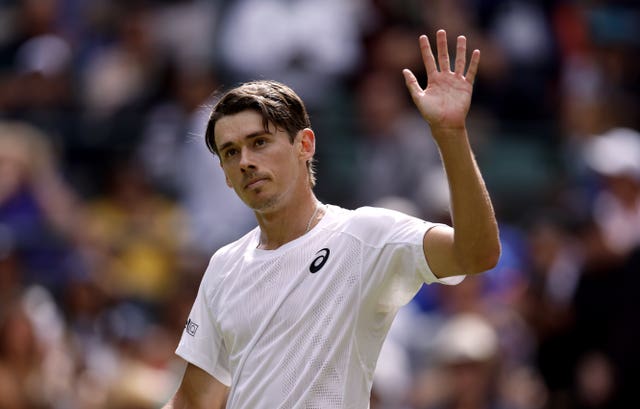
<point>287,223</point>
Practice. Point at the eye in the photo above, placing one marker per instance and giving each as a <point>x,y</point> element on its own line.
<point>230,152</point>
<point>260,142</point>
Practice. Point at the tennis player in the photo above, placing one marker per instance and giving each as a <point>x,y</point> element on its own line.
<point>293,314</point>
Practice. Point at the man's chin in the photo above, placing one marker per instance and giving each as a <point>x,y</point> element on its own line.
<point>259,202</point>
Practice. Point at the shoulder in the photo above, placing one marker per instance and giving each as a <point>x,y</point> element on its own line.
<point>370,212</point>
<point>226,255</point>
<point>375,225</point>
<point>236,247</point>
<point>366,213</point>
<point>381,218</point>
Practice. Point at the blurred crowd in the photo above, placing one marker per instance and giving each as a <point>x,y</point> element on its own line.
<point>110,204</point>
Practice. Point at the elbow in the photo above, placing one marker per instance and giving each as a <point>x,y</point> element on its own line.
<point>491,258</point>
<point>484,258</point>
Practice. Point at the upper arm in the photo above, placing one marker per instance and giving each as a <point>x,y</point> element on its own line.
<point>439,252</point>
<point>446,257</point>
<point>200,390</point>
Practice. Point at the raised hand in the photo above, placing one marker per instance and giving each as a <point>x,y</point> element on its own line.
<point>446,100</point>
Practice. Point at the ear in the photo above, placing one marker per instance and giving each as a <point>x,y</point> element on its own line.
<point>307,146</point>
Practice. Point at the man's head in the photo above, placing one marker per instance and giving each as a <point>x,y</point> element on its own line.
<point>278,105</point>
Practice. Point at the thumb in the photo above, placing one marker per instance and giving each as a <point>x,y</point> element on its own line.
<point>411,82</point>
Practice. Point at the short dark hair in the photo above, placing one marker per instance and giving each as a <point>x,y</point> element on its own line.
<point>277,103</point>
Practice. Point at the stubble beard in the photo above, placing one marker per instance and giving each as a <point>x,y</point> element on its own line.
<point>263,205</point>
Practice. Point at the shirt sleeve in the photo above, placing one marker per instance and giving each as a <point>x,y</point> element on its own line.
<point>201,343</point>
<point>395,258</point>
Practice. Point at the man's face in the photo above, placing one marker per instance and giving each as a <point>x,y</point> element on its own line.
<point>263,167</point>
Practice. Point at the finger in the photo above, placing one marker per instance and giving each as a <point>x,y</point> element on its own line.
<point>443,51</point>
<point>427,55</point>
<point>411,82</point>
<point>461,55</point>
<point>473,66</point>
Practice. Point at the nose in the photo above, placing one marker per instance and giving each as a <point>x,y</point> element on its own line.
<point>246,160</point>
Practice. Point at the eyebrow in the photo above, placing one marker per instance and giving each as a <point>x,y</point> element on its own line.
<point>252,135</point>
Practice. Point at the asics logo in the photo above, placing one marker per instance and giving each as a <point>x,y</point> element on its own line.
<point>319,261</point>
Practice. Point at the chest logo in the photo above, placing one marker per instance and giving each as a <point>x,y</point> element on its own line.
<point>321,258</point>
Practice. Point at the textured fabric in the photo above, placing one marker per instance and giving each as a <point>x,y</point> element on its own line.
<point>302,326</point>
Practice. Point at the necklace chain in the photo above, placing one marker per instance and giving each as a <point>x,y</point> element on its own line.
<point>309,223</point>
<point>313,216</point>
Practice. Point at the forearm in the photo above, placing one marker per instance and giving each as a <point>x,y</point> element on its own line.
<point>476,243</point>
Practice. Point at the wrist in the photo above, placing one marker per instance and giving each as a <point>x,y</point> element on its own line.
<point>448,132</point>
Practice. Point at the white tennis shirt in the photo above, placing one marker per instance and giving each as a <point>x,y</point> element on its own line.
<point>302,326</point>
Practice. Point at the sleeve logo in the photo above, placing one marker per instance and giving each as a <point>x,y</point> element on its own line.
<point>191,327</point>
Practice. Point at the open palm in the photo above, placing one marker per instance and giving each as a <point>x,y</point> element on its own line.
<point>446,100</point>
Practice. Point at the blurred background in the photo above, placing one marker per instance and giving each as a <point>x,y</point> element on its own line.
<point>110,204</point>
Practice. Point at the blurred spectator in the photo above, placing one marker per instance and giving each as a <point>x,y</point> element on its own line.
<point>122,73</point>
<point>616,156</point>
<point>36,69</point>
<point>20,356</point>
<point>467,370</point>
<point>397,156</point>
<point>120,76</point>
<point>466,347</point>
<point>133,237</point>
<point>309,44</point>
<point>555,264</point>
<point>33,351</point>
<point>391,48</point>
<point>595,382</point>
<point>604,351</point>
<point>38,211</point>
<point>186,30</point>
<point>145,379</point>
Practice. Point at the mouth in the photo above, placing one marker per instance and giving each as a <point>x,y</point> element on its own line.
<point>255,182</point>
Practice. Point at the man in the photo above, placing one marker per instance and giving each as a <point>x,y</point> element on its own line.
<point>293,314</point>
